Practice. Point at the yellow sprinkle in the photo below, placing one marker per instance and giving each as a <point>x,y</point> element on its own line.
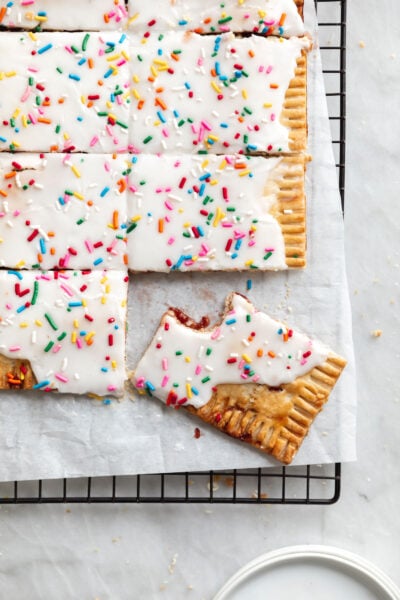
<point>244,173</point>
<point>73,337</point>
<point>17,112</point>
<point>187,224</point>
<point>32,36</point>
<point>90,335</point>
<point>83,100</point>
<point>79,196</point>
<point>223,164</point>
<point>262,13</point>
<point>20,264</point>
<point>108,288</point>
<point>153,71</point>
<point>103,280</point>
<point>24,121</point>
<point>218,216</point>
<point>84,302</point>
<point>267,105</point>
<point>246,358</point>
<point>249,263</point>
<point>215,87</point>
<point>123,303</point>
<point>24,324</point>
<point>189,390</point>
<point>136,218</point>
<point>11,74</point>
<point>125,55</point>
<point>205,163</point>
<point>133,18</point>
<point>113,57</point>
<point>16,144</point>
<point>75,171</point>
<point>76,323</point>
<point>104,300</point>
<point>136,94</point>
<point>65,136</point>
<point>114,364</point>
<point>40,19</point>
<point>214,182</point>
<point>136,79</point>
<point>212,137</point>
<point>38,323</point>
<point>244,94</point>
<point>188,359</point>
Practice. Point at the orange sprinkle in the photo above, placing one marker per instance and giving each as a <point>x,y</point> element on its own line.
<point>260,353</point>
<point>90,104</point>
<point>61,101</point>
<point>45,121</point>
<point>286,337</point>
<point>160,90</point>
<point>3,193</point>
<point>54,148</point>
<point>160,225</point>
<point>51,234</point>
<point>207,20</point>
<point>90,63</point>
<point>125,259</point>
<point>175,57</point>
<point>106,18</point>
<point>140,104</point>
<point>121,185</point>
<point>282,19</point>
<point>10,175</point>
<point>273,86</point>
<point>251,53</point>
<point>2,13</point>
<point>271,354</point>
<point>40,258</point>
<point>160,102</point>
<point>115,219</point>
<point>240,165</point>
<point>52,251</point>
<point>90,202</point>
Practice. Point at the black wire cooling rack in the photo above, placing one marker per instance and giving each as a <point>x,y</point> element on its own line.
<point>281,485</point>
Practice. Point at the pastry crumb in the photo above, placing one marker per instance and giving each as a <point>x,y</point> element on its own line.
<point>361,43</point>
<point>172,564</point>
<point>376,333</point>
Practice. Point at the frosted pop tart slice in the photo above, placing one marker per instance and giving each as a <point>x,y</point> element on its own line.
<point>202,213</point>
<point>249,376</point>
<point>219,94</point>
<point>264,17</point>
<point>65,211</point>
<point>63,331</point>
<point>64,92</point>
<point>63,15</point>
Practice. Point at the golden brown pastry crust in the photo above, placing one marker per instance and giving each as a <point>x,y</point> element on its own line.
<point>290,208</point>
<point>275,421</point>
<point>300,7</point>
<point>16,374</point>
<point>294,113</point>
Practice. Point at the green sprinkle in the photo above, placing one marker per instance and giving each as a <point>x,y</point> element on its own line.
<point>49,346</point>
<point>178,353</point>
<point>205,379</point>
<point>121,124</point>
<point>50,321</point>
<point>208,351</point>
<point>85,42</point>
<point>131,227</point>
<point>147,139</point>
<point>248,318</point>
<point>268,255</point>
<point>35,292</point>
<point>62,336</point>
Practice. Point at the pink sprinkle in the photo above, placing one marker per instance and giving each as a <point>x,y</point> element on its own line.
<point>169,205</point>
<point>252,243</point>
<point>61,377</point>
<point>165,132</point>
<point>26,94</point>
<point>243,376</point>
<point>256,378</point>
<point>16,213</point>
<point>171,241</point>
<point>8,306</point>
<point>165,364</point>
<point>112,388</point>
<point>241,364</point>
<point>273,116</point>
<point>164,381</point>
<point>260,69</point>
<point>107,167</point>
<point>14,348</point>
<point>94,141</point>
<point>57,348</point>
<point>140,382</point>
<point>216,334</point>
<point>67,290</point>
<point>89,246</point>
<point>79,343</point>
<point>269,69</point>
<point>198,370</point>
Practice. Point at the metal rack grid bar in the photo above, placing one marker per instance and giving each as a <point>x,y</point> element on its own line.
<point>317,485</point>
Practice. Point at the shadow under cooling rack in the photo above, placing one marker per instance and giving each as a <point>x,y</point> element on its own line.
<point>280,485</point>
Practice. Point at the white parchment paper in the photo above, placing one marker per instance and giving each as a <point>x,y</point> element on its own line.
<point>50,436</point>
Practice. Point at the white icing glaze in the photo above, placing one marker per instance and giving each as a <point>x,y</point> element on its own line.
<point>64,91</point>
<point>62,211</point>
<point>64,15</point>
<point>202,213</point>
<point>216,93</point>
<point>69,349</point>
<point>257,16</point>
<point>258,348</point>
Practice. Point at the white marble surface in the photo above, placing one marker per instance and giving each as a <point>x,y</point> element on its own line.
<point>128,552</point>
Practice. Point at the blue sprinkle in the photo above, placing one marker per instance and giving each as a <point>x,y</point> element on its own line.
<point>74,304</point>
<point>182,22</point>
<point>150,386</point>
<point>74,77</point>
<point>82,333</point>
<point>98,261</point>
<point>280,331</point>
<point>176,114</point>
<point>3,139</point>
<point>42,243</point>
<point>200,230</point>
<point>104,192</point>
<point>106,401</point>
<point>234,255</point>
<point>41,385</point>
<point>122,38</point>
<point>249,284</point>
<point>224,125</point>
<point>21,309</point>
<point>108,73</point>
<point>238,244</point>
<point>252,147</point>
<point>205,176</point>
<point>44,48</point>
<point>104,369</point>
<point>82,61</point>
<point>61,201</point>
<point>80,119</point>
<point>202,189</point>
<point>16,273</point>
<point>230,321</point>
<point>161,117</point>
<point>195,391</point>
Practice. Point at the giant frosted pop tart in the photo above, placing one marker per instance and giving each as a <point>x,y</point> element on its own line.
<point>202,213</point>
<point>65,211</point>
<point>64,92</point>
<point>63,331</point>
<point>265,17</point>
<point>250,376</point>
<point>63,15</point>
<point>221,94</point>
